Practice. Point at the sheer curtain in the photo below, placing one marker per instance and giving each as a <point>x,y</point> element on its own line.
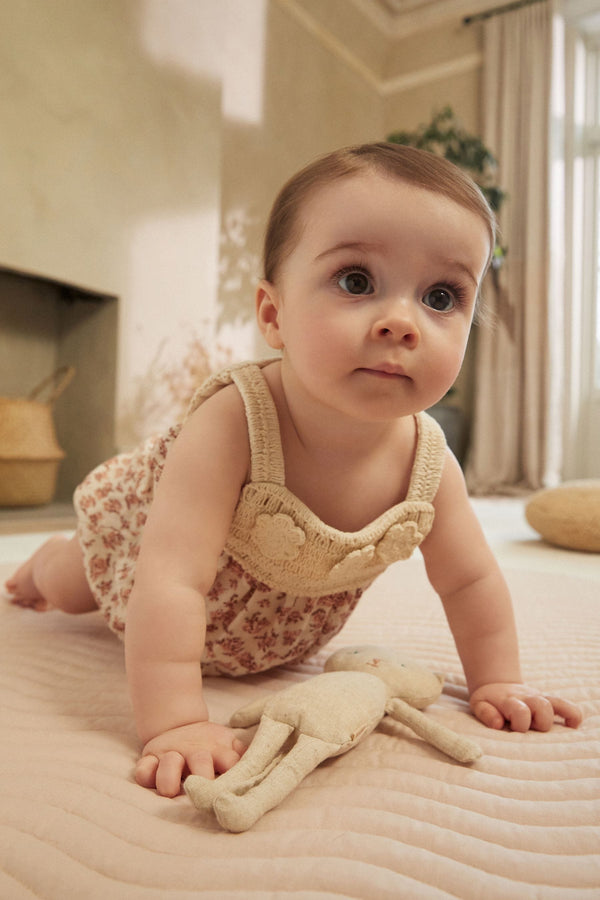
<point>515,415</point>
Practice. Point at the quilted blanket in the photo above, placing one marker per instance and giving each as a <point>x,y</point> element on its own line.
<point>393,818</point>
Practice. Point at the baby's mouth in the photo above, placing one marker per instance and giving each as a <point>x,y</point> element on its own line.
<point>385,370</point>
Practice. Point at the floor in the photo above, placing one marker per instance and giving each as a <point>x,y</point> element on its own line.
<point>518,546</point>
<point>54,516</point>
<point>23,529</point>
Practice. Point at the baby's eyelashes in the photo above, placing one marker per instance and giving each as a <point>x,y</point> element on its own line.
<point>354,280</point>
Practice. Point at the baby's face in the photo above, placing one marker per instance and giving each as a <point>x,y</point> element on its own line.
<point>375,301</point>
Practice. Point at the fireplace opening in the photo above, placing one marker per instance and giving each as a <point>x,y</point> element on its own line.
<point>45,324</point>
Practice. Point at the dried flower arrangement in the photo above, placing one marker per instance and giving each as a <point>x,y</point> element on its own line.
<point>239,265</point>
<point>161,396</point>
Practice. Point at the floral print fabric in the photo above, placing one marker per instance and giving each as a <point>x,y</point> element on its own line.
<point>253,622</point>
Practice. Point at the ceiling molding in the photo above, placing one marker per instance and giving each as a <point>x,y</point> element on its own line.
<point>440,72</point>
<point>383,87</point>
<point>412,16</point>
<point>328,40</point>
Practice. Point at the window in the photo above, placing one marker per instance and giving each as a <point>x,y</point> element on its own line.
<point>590,154</point>
<point>580,126</point>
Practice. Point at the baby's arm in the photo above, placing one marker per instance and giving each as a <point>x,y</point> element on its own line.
<point>464,572</point>
<point>164,638</point>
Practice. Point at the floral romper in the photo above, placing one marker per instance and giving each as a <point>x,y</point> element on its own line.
<point>286,581</point>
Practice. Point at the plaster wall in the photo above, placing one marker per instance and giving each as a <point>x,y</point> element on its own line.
<point>143,142</point>
<point>111,143</point>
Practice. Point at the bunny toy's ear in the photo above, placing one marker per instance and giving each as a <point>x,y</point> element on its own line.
<point>459,748</point>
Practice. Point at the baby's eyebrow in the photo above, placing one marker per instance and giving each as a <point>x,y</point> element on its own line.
<point>356,246</point>
<point>456,263</point>
<point>372,246</point>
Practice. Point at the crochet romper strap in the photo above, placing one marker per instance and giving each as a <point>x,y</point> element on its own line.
<point>278,541</point>
<point>266,452</point>
<point>267,462</point>
<point>429,459</point>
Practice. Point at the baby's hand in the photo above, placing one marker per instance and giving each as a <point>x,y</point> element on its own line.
<point>522,707</point>
<point>202,748</point>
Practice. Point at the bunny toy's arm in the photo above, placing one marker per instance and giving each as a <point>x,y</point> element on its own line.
<point>461,749</point>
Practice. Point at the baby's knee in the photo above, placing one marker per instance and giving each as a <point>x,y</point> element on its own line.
<point>60,577</point>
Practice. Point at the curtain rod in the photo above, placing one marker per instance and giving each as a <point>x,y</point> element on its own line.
<point>508,7</point>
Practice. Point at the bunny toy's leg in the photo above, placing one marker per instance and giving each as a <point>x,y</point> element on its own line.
<point>238,813</point>
<point>252,767</point>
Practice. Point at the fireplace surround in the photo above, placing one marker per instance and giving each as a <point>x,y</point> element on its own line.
<point>45,324</point>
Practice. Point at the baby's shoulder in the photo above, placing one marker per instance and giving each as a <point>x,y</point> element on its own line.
<point>213,439</point>
<point>223,410</point>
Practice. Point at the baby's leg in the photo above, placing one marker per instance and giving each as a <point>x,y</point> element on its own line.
<point>53,578</point>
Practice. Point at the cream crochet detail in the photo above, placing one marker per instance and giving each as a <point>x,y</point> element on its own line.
<point>282,543</point>
<point>263,424</point>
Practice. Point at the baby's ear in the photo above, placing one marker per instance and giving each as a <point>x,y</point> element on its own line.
<point>268,305</point>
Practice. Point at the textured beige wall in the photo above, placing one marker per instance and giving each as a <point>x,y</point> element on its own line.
<point>332,78</point>
<point>134,130</point>
<point>100,133</point>
<point>433,69</point>
<point>364,43</point>
<point>110,175</point>
<point>313,102</point>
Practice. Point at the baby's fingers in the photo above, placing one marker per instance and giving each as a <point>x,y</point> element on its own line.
<point>542,712</point>
<point>226,757</point>
<point>145,771</point>
<point>521,713</point>
<point>200,762</point>
<point>488,714</point>
<point>169,773</point>
<point>525,711</point>
<point>507,709</point>
<point>567,711</point>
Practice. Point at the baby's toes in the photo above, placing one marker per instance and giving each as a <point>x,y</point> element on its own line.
<point>21,591</point>
<point>36,603</point>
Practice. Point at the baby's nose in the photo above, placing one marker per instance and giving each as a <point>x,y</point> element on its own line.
<point>397,322</point>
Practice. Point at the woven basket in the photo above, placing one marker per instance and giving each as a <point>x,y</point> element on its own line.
<point>29,452</point>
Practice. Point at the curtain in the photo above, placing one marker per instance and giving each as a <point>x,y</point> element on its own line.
<point>514,416</point>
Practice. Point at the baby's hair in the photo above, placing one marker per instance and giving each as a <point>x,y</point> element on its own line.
<point>417,167</point>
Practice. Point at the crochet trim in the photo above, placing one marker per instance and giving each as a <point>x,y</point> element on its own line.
<point>267,462</point>
<point>265,439</point>
<point>277,539</point>
<point>285,545</point>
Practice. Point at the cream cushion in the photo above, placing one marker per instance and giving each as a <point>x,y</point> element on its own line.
<point>568,515</point>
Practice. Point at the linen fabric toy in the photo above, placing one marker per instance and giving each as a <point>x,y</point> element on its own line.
<point>309,722</point>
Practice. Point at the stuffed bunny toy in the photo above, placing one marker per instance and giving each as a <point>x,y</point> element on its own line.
<point>325,716</point>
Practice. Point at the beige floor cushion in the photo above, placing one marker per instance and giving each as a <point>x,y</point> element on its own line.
<point>568,515</point>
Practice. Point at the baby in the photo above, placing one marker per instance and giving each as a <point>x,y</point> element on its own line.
<point>244,538</point>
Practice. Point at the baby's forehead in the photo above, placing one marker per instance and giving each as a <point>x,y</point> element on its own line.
<point>371,207</point>
<point>368,188</point>
<point>367,176</point>
<point>368,201</point>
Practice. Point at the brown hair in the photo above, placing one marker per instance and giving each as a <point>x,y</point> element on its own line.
<point>417,167</point>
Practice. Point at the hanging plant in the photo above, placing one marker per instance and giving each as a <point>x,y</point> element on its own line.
<point>445,136</point>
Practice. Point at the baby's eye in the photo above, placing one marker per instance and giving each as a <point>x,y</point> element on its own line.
<point>355,282</point>
<point>440,300</point>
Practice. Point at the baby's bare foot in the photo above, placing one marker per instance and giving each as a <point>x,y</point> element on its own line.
<point>21,586</point>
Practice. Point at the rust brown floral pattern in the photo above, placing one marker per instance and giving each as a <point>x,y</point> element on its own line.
<point>251,626</point>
